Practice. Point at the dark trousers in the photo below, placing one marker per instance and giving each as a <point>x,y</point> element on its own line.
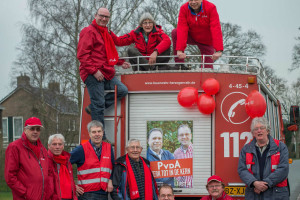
<point>99,100</point>
<point>204,49</point>
<point>132,52</point>
<point>93,196</point>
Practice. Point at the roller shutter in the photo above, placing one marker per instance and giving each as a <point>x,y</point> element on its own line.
<point>145,107</point>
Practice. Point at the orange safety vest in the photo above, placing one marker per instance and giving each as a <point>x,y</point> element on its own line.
<point>93,175</point>
<point>275,158</point>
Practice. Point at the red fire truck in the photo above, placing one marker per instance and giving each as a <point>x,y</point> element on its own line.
<point>217,138</point>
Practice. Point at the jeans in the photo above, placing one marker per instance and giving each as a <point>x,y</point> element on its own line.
<point>204,49</point>
<point>99,100</point>
<point>92,196</point>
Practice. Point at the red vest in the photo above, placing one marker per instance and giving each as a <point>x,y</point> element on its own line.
<point>93,175</point>
<point>275,158</point>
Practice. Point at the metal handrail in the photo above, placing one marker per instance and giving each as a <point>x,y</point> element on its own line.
<point>247,64</point>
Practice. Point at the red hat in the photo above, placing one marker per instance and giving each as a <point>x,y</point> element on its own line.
<point>214,178</point>
<point>33,121</point>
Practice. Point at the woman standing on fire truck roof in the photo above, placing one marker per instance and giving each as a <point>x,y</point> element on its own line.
<point>150,40</point>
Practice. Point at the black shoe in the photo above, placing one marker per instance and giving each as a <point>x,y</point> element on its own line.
<point>88,110</point>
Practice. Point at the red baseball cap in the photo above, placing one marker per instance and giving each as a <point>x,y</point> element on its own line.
<point>33,121</point>
<point>214,178</point>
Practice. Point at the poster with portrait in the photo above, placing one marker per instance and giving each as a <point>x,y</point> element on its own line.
<point>170,152</point>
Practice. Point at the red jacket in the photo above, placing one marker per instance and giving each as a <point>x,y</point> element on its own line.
<point>26,175</point>
<point>157,40</point>
<point>204,28</point>
<point>54,184</point>
<point>91,53</point>
<point>223,197</point>
<point>93,175</point>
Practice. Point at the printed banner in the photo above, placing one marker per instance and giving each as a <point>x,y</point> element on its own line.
<point>172,168</point>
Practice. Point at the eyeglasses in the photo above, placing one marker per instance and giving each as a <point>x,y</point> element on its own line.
<point>103,16</point>
<point>147,23</point>
<point>214,186</point>
<point>38,129</point>
<point>261,128</point>
<point>135,147</point>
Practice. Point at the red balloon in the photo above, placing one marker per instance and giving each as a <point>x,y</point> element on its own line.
<point>211,86</point>
<point>255,104</point>
<point>187,96</point>
<point>206,104</point>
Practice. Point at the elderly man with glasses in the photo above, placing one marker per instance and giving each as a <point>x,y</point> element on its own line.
<point>26,164</point>
<point>263,164</point>
<point>215,188</point>
<point>97,54</point>
<point>132,177</point>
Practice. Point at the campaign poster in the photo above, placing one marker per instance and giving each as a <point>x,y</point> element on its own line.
<point>170,152</point>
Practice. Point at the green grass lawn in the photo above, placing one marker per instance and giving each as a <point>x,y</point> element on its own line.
<point>6,196</point>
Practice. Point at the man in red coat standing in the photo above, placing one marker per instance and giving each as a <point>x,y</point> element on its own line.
<point>26,164</point>
<point>97,54</point>
<point>198,24</point>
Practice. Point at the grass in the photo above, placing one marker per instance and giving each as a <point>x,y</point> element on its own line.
<point>6,196</point>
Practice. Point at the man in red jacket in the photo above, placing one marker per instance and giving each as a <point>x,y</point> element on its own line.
<point>97,54</point>
<point>215,188</point>
<point>198,24</point>
<point>26,164</point>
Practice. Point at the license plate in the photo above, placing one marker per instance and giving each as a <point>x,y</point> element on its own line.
<point>235,191</point>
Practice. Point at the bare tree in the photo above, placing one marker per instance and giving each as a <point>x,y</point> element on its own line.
<point>58,24</point>
<point>296,55</point>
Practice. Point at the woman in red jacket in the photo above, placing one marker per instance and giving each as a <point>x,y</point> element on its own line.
<point>62,185</point>
<point>150,40</point>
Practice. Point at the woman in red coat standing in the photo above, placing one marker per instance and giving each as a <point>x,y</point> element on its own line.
<point>150,40</point>
<point>62,185</point>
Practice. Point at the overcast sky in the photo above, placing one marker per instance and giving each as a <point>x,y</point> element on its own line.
<point>276,21</point>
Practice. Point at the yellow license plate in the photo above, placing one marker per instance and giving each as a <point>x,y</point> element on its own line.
<point>235,190</point>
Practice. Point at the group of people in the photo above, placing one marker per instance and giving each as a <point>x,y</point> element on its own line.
<point>155,152</point>
<point>32,172</point>
<point>198,24</point>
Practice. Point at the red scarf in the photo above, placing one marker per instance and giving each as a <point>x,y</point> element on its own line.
<point>35,148</point>
<point>133,188</point>
<point>64,176</point>
<point>111,51</point>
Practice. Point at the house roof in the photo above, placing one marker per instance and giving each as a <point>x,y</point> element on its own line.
<point>54,99</point>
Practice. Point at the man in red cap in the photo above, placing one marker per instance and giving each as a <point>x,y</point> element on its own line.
<point>215,188</point>
<point>26,164</point>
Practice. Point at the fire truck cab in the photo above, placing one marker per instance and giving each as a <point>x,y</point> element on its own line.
<point>216,139</point>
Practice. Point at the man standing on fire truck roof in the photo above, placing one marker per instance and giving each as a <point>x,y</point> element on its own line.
<point>97,54</point>
<point>263,164</point>
<point>198,24</point>
<point>26,164</point>
<point>95,161</point>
